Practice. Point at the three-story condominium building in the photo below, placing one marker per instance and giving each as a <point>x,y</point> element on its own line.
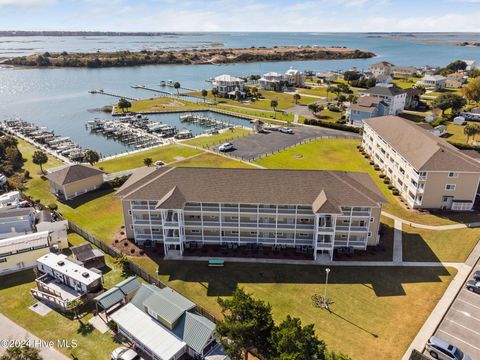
<point>317,211</point>
<point>428,171</point>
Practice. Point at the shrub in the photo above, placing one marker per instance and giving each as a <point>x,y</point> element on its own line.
<point>125,243</point>
<point>395,192</point>
<point>317,122</point>
<point>391,187</point>
<point>26,174</point>
<point>132,251</point>
<point>376,167</point>
<point>382,176</point>
<point>53,206</point>
<point>112,325</point>
<point>386,181</point>
<point>371,163</point>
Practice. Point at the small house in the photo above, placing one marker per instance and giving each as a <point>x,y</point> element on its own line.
<point>87,256</point>
<point>71,181</point>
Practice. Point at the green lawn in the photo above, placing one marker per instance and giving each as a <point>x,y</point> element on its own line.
<point>372,306</point>
<point>445,246</point>
<point>16,298</point>
<point>285,100</point>
<point>212,160</point>
<point>455,133</point>
<point>27,151</point>
<point>263,114</point>
<point>161,104</point>
<point>211,140</point>
<point>166,154</point>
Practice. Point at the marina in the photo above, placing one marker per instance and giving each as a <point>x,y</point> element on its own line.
<point>205,121</point>
<point>61,147</point>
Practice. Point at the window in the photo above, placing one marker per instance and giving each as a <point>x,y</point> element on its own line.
<point>450,187</point>
<point>452,175</point>
<point>234,232</point>
<point>253,233</point>
<point>195,231</point>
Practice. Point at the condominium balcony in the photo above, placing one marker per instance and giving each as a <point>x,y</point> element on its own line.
<point>153,237</point>
<point>351,228</point>
<point>172,239</point>
<point>352,243</point>
<point>327,230</point>
<point>170,224</point>
<point>139,207</point>
<point>356,213</point>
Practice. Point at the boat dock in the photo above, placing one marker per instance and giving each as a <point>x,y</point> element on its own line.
<point>103,92</point>
<point>61,147</point>
<point>206,121</point>
<point>144,87</point>
<point>133,130</point>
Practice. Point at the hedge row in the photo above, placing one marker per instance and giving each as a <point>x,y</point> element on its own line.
<point>316,122</point>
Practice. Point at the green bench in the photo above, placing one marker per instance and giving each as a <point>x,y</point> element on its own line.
<point>213,262</point>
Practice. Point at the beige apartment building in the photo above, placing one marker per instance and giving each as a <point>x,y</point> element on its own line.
<point>315,211</point>
<point>429,172</point>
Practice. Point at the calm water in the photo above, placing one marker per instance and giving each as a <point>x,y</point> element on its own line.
<point>59,98</point>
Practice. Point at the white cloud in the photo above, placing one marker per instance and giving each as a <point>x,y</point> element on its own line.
<point>26,3</point>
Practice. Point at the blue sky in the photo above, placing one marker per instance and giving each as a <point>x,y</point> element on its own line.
<point>241,15</point>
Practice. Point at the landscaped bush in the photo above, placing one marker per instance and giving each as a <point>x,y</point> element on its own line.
<point>382,176</point>
<point>112,325</point>
<point>53,206</point>
<point>386,181</point>
<point>317,122</point>
<point>125,243</point>
<point>376,167</point>
<point>395,192</point>
<point>391,187</point>
<point>118,181</point>
<point>371,163</point>
<point>26,174</point>
<point>132,251</point>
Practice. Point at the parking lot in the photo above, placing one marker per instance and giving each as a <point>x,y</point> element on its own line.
<point>252,146</point>
<point>461,325</point>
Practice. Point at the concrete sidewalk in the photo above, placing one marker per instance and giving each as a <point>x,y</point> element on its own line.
<point>11,331</point>
<point>397,242</point>
<point>438,313</point>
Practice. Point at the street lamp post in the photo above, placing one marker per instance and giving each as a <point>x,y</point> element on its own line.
<point>326,301</point>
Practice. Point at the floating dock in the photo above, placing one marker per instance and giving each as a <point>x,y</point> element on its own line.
<point>103,92</point>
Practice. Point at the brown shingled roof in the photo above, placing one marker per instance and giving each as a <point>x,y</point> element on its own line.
<point>423,150</point>
<point>73,173</point>
<point>173,187</point>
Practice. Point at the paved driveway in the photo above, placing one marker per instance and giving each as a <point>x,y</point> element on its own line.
<point>252,146</point>
<point>461,325</point>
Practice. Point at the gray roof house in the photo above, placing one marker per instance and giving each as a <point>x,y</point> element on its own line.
<point>165,325</point>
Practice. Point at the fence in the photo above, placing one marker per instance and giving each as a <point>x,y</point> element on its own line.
<point>134,268</point>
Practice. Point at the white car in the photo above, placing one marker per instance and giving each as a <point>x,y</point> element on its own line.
<point>124,353</point>
<point>226,147</point>
<point>286,130</point>
<point>159,163</point>
<point>440,349</point>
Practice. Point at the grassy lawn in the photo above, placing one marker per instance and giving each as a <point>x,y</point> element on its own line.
<point>446,246</point>
<point>16,297</point>
<point>371,308</point>
<point>27,151</point>
<point>212,160</point>
<point>166,153</point>
<point>211,140</point>
<point>161,104</point>
<point>455,133</point>
<point>342,154</point>
<point>285,100</point>
<point>264,114</point>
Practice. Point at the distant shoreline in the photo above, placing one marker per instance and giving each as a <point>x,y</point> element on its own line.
<point>83,33</point>
<point>188,57</point>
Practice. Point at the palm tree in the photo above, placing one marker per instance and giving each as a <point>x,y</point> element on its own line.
<point>254,91</point>
<point>296,97</point>
<point>147,161</point>
<point>177,86</point>
<point>204,94</point>
<point>73,306</point>
<point>274,105</point>
<point>40,158</point>
<point>330,89</point>
<point>91,157</point>
<point>215,93</point>
<point>470,130</point>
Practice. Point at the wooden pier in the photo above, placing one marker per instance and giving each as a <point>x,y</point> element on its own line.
<point>102,92</point>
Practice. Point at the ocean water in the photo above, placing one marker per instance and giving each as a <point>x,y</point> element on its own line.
<point>59,98</point>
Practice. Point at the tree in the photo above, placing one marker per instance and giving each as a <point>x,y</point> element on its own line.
<point>470,130</point>
<point>274,105</point>
<point>456,66</point>
<point>351,75</point>
<point>330,89</point>
<point>215,93</point>
<point>124,104</point>
<point>291,340</point>
<point>24,352</point>
<point>449,101</point>
<point>296,97</point>
<point>238,95</point>
<point>177,86</point>
<point>314,108</point>
<point>471,91</point>
<point>74,306</point>
<point>204,94</point>
<point>91,157</point>
<point>254,91</point>
<point>147,161</point>
<point>40,158</point>
<point>247,323</point>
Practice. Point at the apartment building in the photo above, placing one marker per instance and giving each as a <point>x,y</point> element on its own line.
<point>317,211</point>
<point>428,171</point>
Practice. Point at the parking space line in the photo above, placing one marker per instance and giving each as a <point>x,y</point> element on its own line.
<point>459,339</point>
<point>466,302</point>
<point>464,313</point>
<point>463,326</point>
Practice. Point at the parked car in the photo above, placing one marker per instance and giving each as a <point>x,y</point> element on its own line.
<point>124,353</point>
<point>286,130</point>
<point>226,147</point>
<point>159,163</point>
<point>440,349</point>
<point>476,275</point>
<point>473,285</point>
